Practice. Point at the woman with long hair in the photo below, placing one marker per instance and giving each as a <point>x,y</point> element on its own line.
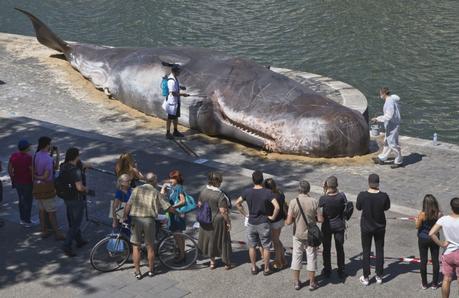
<point>424,222</point>
<point>127,165</point>
<point>277,224</point>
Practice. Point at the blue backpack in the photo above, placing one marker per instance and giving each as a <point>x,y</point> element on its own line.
<point>204,214</point>
<point>164,87</point>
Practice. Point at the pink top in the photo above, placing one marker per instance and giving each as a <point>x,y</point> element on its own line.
<point>22,164</point>
<point>44,162</point>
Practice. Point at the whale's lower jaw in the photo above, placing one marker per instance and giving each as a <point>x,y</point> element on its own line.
<point>318,143</point>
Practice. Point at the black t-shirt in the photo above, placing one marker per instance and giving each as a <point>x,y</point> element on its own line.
<point>259,201</point>
<point>280,198</point>
<point>332,210</point>
<point>72,174</point>
<point>373,206</point>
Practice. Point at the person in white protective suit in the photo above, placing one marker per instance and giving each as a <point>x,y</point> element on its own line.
<point>391,120</point>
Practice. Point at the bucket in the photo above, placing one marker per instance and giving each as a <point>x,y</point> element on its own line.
<point>374,132</point>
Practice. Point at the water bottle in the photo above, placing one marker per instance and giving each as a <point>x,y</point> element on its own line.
<point>434,140</point>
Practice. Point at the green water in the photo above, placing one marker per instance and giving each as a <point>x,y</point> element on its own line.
<point>410,46</point>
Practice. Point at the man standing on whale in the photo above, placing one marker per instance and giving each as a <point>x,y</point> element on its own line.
<point>173,102</point>
<point>391,120</point>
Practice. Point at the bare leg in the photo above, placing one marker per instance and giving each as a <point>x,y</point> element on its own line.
<point>175,121</point>
<point>168,125</point>
<point>151,258</point>
<point>253,257</point>
<point>44,228</point>
<point>136,257</point>
<point>445,286</point>
<point>53,220</point>
<point>266,257</point>
<point>312,277</point>
<point>296,277</point>
<point>180,245</point>
<point>278,248</point>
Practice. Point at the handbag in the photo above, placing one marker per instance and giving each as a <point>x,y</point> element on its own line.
<point>189,206</point>
<point>115,245</point>
<point>315,236</point>
<point>43,190</point>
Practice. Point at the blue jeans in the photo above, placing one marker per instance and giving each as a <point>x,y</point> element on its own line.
<point>25,201</point>
<point>75,212</point>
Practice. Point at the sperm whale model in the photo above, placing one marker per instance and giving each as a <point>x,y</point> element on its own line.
<point>232,97</point>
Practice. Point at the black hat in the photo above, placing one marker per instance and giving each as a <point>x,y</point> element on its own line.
<point>373,181</point>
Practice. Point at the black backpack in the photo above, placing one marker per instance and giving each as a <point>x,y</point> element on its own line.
<point>348,210</point>
<point>65,188</point>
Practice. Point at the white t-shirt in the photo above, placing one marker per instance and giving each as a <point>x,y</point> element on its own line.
<point>450,226</point>
<point>172,101</point>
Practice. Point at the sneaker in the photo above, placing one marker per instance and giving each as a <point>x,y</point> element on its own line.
<point>364,281</point>
<point>169,136</point>
<point>378,280</point>
<point>423,286</point>
<point>25,224</point>
<point>434,286</point>
<point>177,134</point>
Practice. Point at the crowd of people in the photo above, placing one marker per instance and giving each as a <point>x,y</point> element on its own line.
<point>35,175</point>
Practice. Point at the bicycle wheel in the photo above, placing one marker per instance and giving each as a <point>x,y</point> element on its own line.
<point>109,253</point>
<point>168,251</point>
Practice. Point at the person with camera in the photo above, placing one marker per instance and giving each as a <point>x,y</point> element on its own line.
<point>45,163</point>
<point>74,199</point>
<point>309,207</point>
<point>173,102</point>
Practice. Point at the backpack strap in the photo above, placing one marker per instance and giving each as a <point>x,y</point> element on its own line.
<point>302,212</point>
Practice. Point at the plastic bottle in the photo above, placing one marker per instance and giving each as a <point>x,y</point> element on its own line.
<point>434,140</point>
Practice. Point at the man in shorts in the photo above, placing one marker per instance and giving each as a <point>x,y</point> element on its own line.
<point>144,205</point>
<point>311,210</point>
<point>259,200</point>
<point>44,166</point>
<point>450,259</point>
<point>173,102</point>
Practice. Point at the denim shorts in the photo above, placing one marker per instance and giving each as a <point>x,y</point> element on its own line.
<point>259,235</point>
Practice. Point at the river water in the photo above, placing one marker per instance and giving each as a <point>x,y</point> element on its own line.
<point>410,46</point>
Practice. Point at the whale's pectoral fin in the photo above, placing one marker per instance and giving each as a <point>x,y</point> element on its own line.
<point>45,36</point>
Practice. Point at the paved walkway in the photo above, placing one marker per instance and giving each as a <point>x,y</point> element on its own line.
<point>44,96</point>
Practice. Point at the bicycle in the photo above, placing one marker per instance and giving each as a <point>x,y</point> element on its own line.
<point>114,250</point>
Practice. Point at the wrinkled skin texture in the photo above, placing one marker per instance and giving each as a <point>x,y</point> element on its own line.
<point>231,97</point>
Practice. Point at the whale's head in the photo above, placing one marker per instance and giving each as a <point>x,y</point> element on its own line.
<point>296,127</point>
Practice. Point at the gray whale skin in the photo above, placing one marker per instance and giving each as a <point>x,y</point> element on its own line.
<point>233,97</point>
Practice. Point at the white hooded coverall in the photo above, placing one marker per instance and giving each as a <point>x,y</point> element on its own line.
<point>391,120</point>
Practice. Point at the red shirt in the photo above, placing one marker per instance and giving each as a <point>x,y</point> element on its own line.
<point>21,163</point>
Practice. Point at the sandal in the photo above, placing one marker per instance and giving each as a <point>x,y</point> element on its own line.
<point>297,286</point>
<point>138,275</point>
<point>228,266</point>
<point>313,287</point>
<point>254,271</point>
<point>267,272</point>
<point>212,266</point>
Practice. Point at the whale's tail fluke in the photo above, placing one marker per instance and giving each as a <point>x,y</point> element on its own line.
<point>45,36</point>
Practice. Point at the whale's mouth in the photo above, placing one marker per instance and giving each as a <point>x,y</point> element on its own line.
<point>249,134</point>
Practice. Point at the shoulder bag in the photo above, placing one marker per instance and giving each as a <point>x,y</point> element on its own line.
<point>43,190</point>
<point>315,236</point>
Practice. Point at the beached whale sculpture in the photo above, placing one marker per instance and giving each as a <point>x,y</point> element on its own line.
<point>233,97</point>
